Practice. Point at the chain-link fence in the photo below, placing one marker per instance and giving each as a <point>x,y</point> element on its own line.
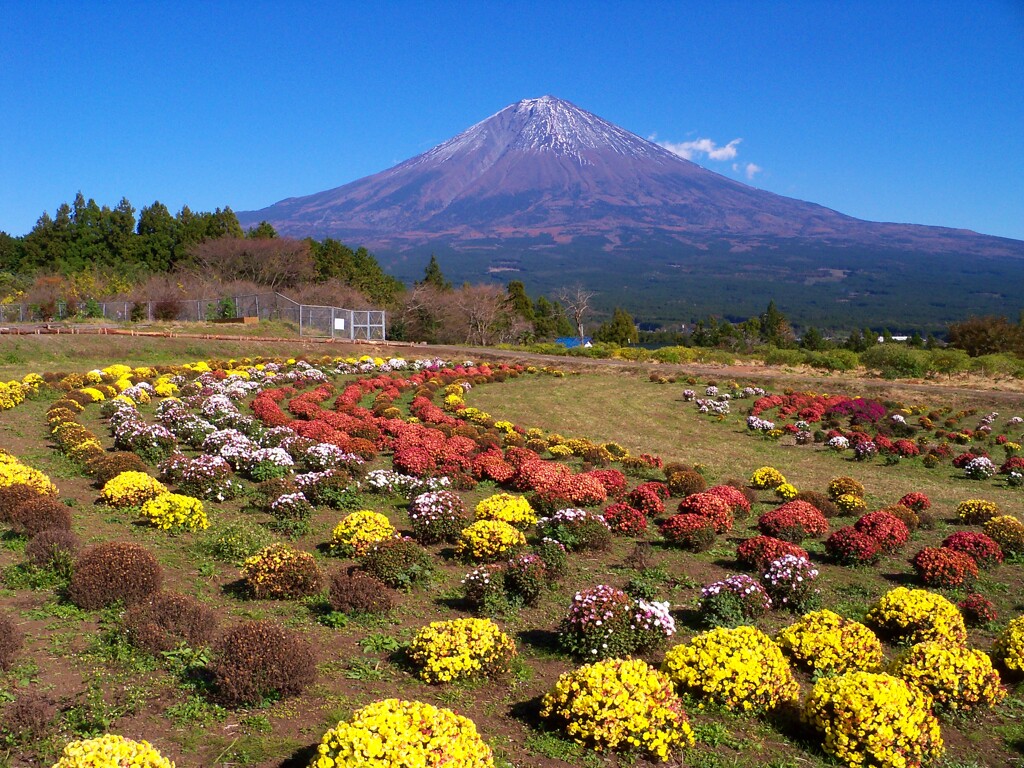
<point>335,322</point>
<point>355,324</point>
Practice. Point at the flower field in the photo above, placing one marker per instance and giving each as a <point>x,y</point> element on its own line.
<point>372,561</point>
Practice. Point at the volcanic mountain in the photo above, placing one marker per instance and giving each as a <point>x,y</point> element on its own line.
<point>554,192</point>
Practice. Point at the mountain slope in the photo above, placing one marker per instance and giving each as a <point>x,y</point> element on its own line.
<point>543,168</point>
<point>548,193</point>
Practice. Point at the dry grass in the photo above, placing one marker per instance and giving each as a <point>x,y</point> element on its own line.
<point>643,416</point>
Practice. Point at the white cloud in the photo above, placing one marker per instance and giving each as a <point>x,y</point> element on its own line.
<point>750,169</point>
<point>702,147</point>
<point>708,149</point>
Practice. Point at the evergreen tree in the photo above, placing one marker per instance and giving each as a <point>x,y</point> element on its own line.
<point>775,328</point>
<point>812,339</point>
<point>359,268</point>
<point>157,236</point>
<point>434,277</point>
<point>10,253</point>
<point>263,231</point>
<point>519,301</point>
<point>543,319</point>
<point>620,330</point>
<point>563,326</point>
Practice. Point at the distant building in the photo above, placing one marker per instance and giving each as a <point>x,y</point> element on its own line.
<point>881,339</point>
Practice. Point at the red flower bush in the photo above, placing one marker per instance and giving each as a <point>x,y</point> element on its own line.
<point>711,506</point>
<point>535,473</point>
<point>733,497</point>
<point>613,480</point>
<point>944,567</point>
<point>695,533</point>
<point>586,491</point>
<point>491,465</point>
<point>758,553</point>
<point>622,518</point>
<point>265,408</point>
<point>965,458</point>
<point>793,521</point>
<point>1012,464</point>
<point>977,610</point>
<point>648,498</point>
<point>889,531</point>
<point>916,500</point>
<point>906,448</point>
<point>552,497</point>
<point>848,546</point>
<point>979,547</point>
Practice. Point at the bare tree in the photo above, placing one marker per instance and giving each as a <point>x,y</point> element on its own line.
<point>576,300</point>
<point>485,308</point>
<point>274,263</point>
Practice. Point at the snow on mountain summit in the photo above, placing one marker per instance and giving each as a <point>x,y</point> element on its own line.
<point>549,124</point>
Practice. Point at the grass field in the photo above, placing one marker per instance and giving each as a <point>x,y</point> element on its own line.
<point>97,682</point>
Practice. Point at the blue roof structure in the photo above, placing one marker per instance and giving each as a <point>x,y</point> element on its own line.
<point>573,341</point>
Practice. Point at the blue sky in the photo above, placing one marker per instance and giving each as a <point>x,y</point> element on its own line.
<point>910,112</point>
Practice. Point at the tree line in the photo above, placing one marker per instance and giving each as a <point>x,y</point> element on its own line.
<point>86,251</point>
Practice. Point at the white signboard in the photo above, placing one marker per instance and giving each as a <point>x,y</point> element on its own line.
<point>339,323</point>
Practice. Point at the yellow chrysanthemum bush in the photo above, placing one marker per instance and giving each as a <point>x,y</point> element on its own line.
<point>13,472</point>
<point>917,615</point>
<point>840,486</point>
<point>281,572</point>
<point>1008,532</point>
<point>358,531</point>
<point>867,718</point>
<point>956,677</point>
<point>117,370</point>
<point>175,512</point>
<point>1008,649</point>
<point>507,507</point>
<point>619,704</point>
<point>767,478</point>
<point>826,643</point>
<point>164,387</point>
<point>93,394</point>
<point>850,504</point>
<point>403,734</point>
<point>111,751</point>
<point>737,668</point>
<point>489,540</point>
<point>461,648</point>
<point>12,394</point>
<point>976,511</point>
<point>786,492</point>
<point>131,489</point>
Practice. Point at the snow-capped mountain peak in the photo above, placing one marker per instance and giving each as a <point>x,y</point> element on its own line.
<point>549,124</point>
